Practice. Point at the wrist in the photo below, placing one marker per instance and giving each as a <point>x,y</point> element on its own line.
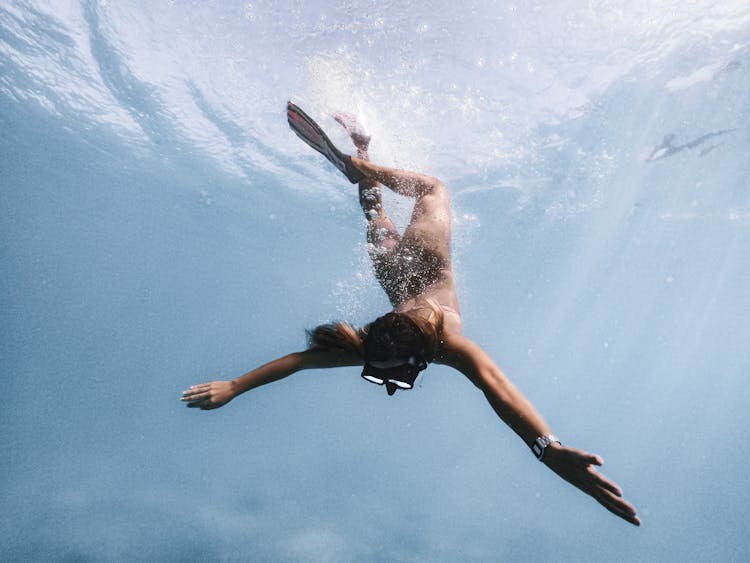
<point>540,445</point>
<point>235,388</point>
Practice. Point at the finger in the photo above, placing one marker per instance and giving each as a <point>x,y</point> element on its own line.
<point>591,459</point>
<point>602,481</point>
<point>584,458</point>
<point>623,512</point>
<point>619,502</point>
<point>197,388</point>
<point>627,516</point>
<point>200,403</point>
<point>196,396</point>
<point>618,506</point>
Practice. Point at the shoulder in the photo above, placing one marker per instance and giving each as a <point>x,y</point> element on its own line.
<point>468,358</point>
<point>456,349</point>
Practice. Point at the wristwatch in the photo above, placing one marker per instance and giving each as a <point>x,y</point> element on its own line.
<point>540,445</point>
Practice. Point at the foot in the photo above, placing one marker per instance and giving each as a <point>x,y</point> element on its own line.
<point>359,135</point>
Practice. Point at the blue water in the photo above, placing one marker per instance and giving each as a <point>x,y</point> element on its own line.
<point>162,227</point>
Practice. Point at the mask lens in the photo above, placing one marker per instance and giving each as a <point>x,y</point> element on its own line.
<point>401,384</point>
<point>373,379</point>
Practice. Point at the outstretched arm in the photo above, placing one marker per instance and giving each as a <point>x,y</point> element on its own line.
<point>207,396</point>
<point>575,466</point>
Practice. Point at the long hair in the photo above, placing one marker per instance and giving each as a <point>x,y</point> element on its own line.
<point>390,336</point>
<point>338,336</point>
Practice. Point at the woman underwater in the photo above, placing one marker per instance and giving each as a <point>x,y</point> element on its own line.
<point>424,326</point>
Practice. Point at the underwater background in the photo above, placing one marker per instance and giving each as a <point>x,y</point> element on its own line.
<point>161,226</point>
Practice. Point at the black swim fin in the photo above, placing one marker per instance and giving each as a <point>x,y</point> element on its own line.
<point>310,132</point>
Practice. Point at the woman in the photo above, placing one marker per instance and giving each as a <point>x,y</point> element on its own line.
<point>425,324</point>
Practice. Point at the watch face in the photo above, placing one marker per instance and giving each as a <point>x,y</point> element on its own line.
<point>537,448</point>
<point>540,445</point>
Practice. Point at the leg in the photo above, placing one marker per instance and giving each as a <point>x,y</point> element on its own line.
<point>382,236</point>
<point>404,265</point>
<point>430,226</point>
<point>402,182</point>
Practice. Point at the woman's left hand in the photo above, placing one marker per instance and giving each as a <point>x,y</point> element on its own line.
<point>207,396</point>
<point>577,468</point>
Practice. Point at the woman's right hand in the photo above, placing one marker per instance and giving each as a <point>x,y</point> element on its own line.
<point>207,396</point>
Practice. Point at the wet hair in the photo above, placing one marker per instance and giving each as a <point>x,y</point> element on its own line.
<point>394,335</point>
<point>337,336</point>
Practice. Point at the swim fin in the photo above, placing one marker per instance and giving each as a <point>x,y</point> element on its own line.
<point>310,132</point>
